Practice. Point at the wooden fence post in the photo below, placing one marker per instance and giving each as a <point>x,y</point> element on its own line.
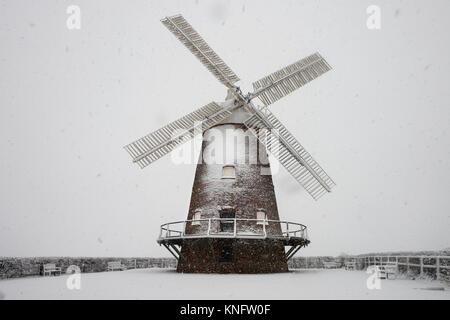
<point>407,265</point>
<point>438,271</point>
<point>421,266</point>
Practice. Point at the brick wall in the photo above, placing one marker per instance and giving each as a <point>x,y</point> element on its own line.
<point>248,256</point>
<point>247,193</point>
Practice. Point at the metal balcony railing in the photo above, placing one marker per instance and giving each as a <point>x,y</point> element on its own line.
<point>232,228</point>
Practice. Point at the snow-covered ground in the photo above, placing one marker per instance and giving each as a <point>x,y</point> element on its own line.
<point>167,284</point>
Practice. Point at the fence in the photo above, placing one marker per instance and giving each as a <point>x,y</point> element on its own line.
<point>437,267</point>
<point>23,267</point>
<point>313,262</point>
<point>434,266</point>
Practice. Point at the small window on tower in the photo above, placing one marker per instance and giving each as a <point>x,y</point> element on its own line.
<point>226,254</point>
<point>262,217</point>
<point>229,172</point>
<point>196,218</point>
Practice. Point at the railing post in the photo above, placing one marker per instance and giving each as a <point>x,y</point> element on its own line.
<point>438,271</point>
<point>184,228</point>
<point>209,226</point>
<point>287,229</point>
<point>234,233</point>
<point>264,230</point>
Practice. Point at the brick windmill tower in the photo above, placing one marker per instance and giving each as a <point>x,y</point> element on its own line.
<point>233,225</point>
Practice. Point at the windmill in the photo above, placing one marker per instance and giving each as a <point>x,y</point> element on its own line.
<point>233,223</point>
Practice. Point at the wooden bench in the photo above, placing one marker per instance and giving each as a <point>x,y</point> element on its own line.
<point>330,265</point>
<point>116,265</point>
<point>50,268</point>
<point>389,269</point>
<point>386,271</point>
<point>350,265</point>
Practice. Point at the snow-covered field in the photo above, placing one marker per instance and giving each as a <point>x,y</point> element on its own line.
<point>167,284</point>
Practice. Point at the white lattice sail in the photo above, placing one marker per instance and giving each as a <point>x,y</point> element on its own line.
<point>284,81</point>
<point>290,153</point>
<point>157,144</point>
<point>195,43</point>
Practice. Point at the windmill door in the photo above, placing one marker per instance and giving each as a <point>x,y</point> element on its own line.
<point>225,224</point>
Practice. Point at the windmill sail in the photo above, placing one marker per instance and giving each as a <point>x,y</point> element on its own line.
<point>291,154</point>
<point>195,43</point>
<point>279,84</point>
<point>157,144</point>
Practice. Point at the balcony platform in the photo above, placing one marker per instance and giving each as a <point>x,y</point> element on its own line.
<point>287,241</point>
<point>177,233</point>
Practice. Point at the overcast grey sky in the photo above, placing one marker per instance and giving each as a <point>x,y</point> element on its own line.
<point>71,99</point>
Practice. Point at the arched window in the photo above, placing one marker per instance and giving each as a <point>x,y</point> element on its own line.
<point>262,217</point>
<point>229,172</point>
<point>196,218</point>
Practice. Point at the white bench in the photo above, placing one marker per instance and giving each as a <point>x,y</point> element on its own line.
<point>350,265</point>
<point>385,271</point>
<point>330,264</point>
<point>116,265</point>
<point>50,268</point>
<point>389,269</point>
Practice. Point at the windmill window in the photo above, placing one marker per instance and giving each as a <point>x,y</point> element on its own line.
<point>229,172</point>
<point>226,254</point>
<point>196,218</point>
<point>262,217</point>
